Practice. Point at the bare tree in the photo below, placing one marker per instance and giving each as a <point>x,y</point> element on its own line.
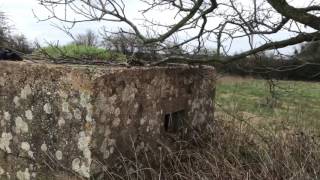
<point>121,42</point>
<point>11,44</point>
<point>4,30</point>
<point>20,43</point>
<point>130,45</point>
<point>89,38</point>
<point>220,22</point>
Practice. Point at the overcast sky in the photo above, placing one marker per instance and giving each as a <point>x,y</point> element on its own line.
<point>20,13</point>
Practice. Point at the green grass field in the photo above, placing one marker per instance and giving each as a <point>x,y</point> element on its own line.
<point>296,103</point>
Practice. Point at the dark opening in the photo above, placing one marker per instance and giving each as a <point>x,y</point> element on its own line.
<point>189,89</point>
<point>173,122</point>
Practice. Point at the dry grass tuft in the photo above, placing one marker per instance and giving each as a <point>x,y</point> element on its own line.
<point>226,151</point>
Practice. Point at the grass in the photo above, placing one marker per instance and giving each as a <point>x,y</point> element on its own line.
<point>297,103</point>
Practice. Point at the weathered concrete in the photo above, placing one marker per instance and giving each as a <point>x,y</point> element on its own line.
<point>58,118</point>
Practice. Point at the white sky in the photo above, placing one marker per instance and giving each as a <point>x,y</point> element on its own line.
<point>21,16</point>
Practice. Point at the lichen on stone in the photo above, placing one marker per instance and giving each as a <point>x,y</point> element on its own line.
<point>29,114</point>
<point>81,167</point>
<point>23,175</point>
<point>1,171</point>
<point>25,92</point>
<point>142,121</point>
<point>116,122</point>
<point>84,99</point>
<point>44,147</point>
<point>129,92</point>
<point>21,126</point>
<point>83,141</point>
<point>26,147</point>
<point>47,108</point>
<point>65,107</point>
<point>89,114</point>
<point>16,101</point>
<point>59,155</point>
<point>5,142</point>
<point>7,116</point>
<point>61,122</point>
<point>77,114</point>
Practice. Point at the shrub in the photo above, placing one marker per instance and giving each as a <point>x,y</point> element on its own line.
<point>119,57</point>
<point>73,51</point>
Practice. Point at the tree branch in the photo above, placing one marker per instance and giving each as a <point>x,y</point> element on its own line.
<point>300,15</point>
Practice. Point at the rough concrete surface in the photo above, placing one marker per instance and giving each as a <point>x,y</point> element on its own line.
<point>60,120</point>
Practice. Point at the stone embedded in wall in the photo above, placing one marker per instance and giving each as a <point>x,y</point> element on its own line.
<point>68,117</point>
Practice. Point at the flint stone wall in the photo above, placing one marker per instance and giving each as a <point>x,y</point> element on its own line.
<point>58,118</point>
